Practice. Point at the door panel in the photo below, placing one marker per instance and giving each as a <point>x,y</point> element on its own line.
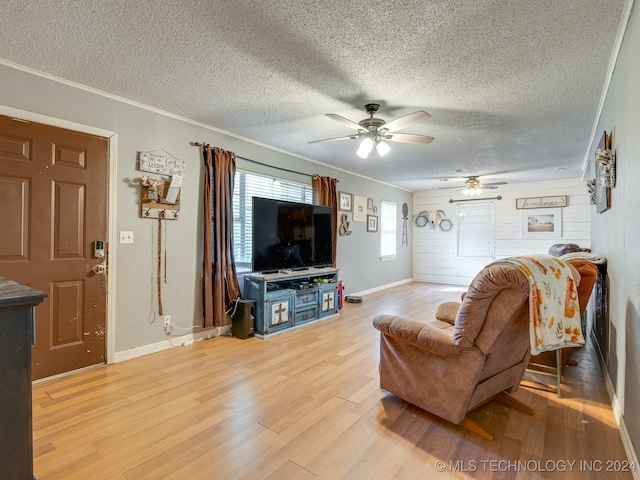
<point>15,148</point>
<point>67,313</point>
<point>53,205</point>
<point>68,221</point>
<point>14,210</point>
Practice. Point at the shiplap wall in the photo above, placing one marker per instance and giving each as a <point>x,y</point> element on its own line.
<point>434,251</point>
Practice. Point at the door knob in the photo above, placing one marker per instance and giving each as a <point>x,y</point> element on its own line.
<point>100,268</point>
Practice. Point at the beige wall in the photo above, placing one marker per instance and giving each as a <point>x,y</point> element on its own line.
<point>135,327</point>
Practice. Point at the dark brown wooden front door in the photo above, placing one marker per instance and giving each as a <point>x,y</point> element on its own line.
<point>53,207</point>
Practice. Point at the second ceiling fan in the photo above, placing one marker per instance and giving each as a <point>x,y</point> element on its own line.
<point>472,186</point>
<point>374,131</point>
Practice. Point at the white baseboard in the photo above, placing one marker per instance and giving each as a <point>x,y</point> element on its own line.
<point>177,341</point>
<point>382,287</point>
<point>622,427</point>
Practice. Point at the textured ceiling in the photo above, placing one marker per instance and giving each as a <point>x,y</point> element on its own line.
<point>513,87</point>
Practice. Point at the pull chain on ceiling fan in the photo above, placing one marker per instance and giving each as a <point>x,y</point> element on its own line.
<point>374,130</point>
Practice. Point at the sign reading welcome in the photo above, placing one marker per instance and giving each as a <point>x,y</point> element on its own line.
<point>542,202</point>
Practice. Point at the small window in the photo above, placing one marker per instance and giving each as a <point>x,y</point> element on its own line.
<point>475,230</point>
<point>388,230</point>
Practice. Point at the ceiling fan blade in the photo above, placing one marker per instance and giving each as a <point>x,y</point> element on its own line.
<point>407,138</point>
<point>354,136</point>
<point>493,184</point>
<point>406,121</point>
<point>345,121</point>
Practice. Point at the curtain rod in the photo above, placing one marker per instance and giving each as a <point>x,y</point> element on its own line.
<point>499,197</point>
<point>312,175</point>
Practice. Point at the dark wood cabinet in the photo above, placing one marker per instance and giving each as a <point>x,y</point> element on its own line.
<point>601,314</point>
<point>17,333</point>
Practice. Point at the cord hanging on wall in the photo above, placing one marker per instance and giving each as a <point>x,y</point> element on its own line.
<point>160,218</point>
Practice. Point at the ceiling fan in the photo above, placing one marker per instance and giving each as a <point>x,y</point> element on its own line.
<point>472,186</point>
<point>374,130</point>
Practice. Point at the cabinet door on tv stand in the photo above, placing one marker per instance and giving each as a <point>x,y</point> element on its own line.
<point>278,311</point>
<point>328,300</point>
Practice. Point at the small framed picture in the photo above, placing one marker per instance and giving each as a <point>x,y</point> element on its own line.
<point>542,223</point>
<point>372,223</point>
<point>345,201</point>
<point>359,209</point>
<point>369,203</point>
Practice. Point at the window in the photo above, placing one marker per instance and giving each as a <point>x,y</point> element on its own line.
<point>388,230</point>
<point>475,230</point>
<point>246,186</point>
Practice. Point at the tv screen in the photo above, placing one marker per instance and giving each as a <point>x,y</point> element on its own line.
<point>290,235</point>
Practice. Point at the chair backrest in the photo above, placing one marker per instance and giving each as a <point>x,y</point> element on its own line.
<point>588,275</point>
<point>493,298</point>
<point>494,316</point>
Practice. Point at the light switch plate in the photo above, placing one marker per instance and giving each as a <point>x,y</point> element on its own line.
<point>126,237</point>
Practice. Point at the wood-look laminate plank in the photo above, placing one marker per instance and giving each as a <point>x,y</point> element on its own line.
<point>307,404</point>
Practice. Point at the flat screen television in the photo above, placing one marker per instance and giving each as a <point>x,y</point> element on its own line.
<point>290,235</point>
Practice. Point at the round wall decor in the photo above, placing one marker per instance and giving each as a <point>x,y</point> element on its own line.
<point>445,225</point>
<point>422,219</point>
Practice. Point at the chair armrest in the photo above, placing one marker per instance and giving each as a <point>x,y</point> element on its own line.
<point>425,336</point>
<point>448,311</point>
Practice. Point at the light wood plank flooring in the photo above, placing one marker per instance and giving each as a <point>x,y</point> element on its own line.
<point>306,404</point>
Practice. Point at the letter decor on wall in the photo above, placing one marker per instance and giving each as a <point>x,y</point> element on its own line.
<point>542,202</point>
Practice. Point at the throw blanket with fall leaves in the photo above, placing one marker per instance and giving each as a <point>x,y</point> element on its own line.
<point>554,311</point>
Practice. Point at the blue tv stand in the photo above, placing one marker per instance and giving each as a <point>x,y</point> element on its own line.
<point>288,299</point>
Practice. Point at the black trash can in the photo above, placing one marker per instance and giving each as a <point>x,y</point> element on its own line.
<point>242,320</point>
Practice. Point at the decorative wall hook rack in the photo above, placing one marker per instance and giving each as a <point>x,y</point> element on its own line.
<point>154,202</point>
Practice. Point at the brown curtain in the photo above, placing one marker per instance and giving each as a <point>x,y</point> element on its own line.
<point>219,279</point>
<point>325,193</point>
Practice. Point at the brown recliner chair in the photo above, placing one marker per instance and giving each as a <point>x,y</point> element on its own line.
<point>470,354</point>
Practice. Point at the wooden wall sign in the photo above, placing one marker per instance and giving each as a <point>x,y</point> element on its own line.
<point>161,162</point>
<point>542,202</point>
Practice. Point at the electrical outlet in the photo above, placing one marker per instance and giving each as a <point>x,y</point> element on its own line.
<point>167,322</point>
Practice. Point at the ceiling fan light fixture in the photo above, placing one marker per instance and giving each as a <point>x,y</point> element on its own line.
<point>365,148</point>
<point>373,130</point>
<point>472,191</point>
<point>382,148</point>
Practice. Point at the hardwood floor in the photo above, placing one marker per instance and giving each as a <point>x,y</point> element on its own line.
<point>306,404</point>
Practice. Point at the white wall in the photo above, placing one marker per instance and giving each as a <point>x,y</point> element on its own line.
<point>616,232</point>
<point>435,257</point>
